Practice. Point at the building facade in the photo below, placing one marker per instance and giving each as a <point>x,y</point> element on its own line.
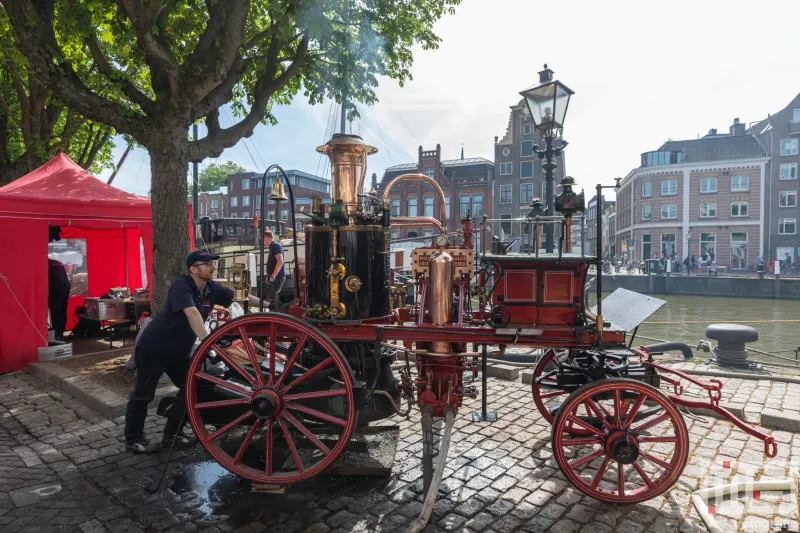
<point>244,196</point>
<point>212,204</point>
<point>779,135</point>
<point>466,183</point>
<point>519,177</point>
<point>700,197</point>
<point>591,224</point>
<point>610,231</point>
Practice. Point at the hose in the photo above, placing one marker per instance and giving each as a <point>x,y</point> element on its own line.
<point>421,521</point>
<point>700,497</point>
<point>669,346</point>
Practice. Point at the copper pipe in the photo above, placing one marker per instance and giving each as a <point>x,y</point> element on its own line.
<point>417,221</point>
<point>568,234</point>
<point>436,189</point>
<point>441,297</point>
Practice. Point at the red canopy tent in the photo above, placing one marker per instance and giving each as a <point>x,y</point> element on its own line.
<point>61,193</point>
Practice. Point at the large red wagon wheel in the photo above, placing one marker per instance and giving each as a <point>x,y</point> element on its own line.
<point>284,410</point>
<point>546,394</point>
<point>629,459</point>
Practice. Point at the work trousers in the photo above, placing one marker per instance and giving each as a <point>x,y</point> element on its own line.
<point>150,365</point>
<point>58,313</point>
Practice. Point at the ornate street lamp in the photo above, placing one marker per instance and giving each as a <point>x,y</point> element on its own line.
<point>547,104</point>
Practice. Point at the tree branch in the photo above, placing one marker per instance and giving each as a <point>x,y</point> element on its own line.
<point>99,141</point>
<point>114,76</point>
<point>33,27</point>
<point>266,87</point>
<point>212,122</point>
<point>9,114</point>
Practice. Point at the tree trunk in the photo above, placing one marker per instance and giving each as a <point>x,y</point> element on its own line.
<point>169,166</point>
<point>13,170</point>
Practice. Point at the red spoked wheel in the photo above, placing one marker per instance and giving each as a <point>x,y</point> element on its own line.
<point>630,458</point>
<point>283,411</point>
<point>546,394</point>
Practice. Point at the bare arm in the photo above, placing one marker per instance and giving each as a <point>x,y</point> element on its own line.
<point>196,322</point>
<point>255,301</point>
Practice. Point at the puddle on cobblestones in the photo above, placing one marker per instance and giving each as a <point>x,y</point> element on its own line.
<point>213,484</point>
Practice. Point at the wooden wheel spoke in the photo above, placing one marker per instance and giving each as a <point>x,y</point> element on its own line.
<point>598,477</point>
<point>552,394</point>
<point>251,354</point>
<point>617,408</point>
<point>581,423</point>
<point>581,441</point>
<point>313,395</point>
<point>232,363</point>
<point>634,411</point>
<point>292,448</point>
<point>246,443</point>
<point>590,404</point>
<point>230,425</point>
<point>656,421</point>
<point>304,430</point>
<point>620,479</point>
<point>223,403</point>
<point>588,459</point>
<point>311,372</point>
<point>316,414</point>
<point>643,475</point>
<point>224,384</point>
<point>663,464</point>
<point>292,358</point>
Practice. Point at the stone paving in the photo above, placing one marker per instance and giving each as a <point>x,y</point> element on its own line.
<point>63,468</point>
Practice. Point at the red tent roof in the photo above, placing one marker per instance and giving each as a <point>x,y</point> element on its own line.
<point>61,188</point>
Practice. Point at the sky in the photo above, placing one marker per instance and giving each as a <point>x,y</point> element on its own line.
<point>642,72</point>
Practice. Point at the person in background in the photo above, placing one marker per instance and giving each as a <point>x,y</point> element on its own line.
<point>58,287</point>
<point>165,346</point>
<point>787,262</point>
<point>275,272</point>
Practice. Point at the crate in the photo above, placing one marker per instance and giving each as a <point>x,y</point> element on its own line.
<point>104,308</point>
<point>55,350</point>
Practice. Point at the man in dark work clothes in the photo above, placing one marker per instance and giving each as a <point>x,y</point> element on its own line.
<point>165,346</point>
<point>58,288</point>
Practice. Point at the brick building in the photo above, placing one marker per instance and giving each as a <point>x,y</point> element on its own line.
<point>519,177</point>
<point>466,183</point>
<point>244,195</point>
<point>779,135</point>
<point>591,224</point>
<point>702,197</point>
<point>610,232</point>
<point>212,204</point>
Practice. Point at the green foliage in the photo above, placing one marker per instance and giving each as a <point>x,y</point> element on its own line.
<point>215,175</point>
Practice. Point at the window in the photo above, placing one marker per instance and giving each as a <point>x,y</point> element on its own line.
<point>506,169</point>
<point>394,235</point>
<point>429,172</point>
<point>739,250</point>
<point>669,211</point>
<point>795,115</point>
<point>645,247</point>
<point>413,234</point>
<point>234,201</point>
<point>708,185</point>
<point>245,201</point>
<point>271,215</point>
<point>427,233</point>
<point>257,184</point>
<point>526,128</point>
<point>526,149</point>
<point>245,184</point>
<point>526,193</point>
<point>258,201</point>
<point>646,212</point>
<point>505,194</point>
<point>246,214</point>
<point>526,169</point>
<point>787,199</point>
<point>214,204</point>
<point>787,226</point>
<point>738,209</point>
<point>412,207</point>
<point>428,206</point>
<point>395,202</point>
<point>667,243</point>
<point>447,207</point>
<point>477,205</point>
<point>788,146</point>
<point>708,210</point>
<point>669,187</point>
<point>740,183</point>
<point>505,227</point>
<point>466,202</point>
<point>789,171</point>
<point>647,189</point>
<point>708,246</point>
<point>284,214</point>
<point>783,251</point>
<point>234,215</point>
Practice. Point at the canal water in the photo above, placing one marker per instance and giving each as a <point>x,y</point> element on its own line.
<point>684,319</point>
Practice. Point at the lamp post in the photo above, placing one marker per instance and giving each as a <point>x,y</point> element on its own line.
<point>688,250</point>
<point>547,103</point>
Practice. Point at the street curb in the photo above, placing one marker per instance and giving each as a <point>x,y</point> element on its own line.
<point>106,402</point>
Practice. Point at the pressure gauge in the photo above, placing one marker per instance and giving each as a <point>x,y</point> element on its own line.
<point>441,240</point>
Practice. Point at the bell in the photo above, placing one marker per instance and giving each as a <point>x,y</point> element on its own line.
<point>277,193</point>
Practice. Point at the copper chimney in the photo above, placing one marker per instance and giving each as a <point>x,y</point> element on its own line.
<point>348,155</point>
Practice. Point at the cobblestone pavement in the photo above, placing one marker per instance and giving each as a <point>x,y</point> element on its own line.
<point>62,468</point>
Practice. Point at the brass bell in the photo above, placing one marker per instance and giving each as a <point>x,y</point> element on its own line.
<point>277,193</point>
